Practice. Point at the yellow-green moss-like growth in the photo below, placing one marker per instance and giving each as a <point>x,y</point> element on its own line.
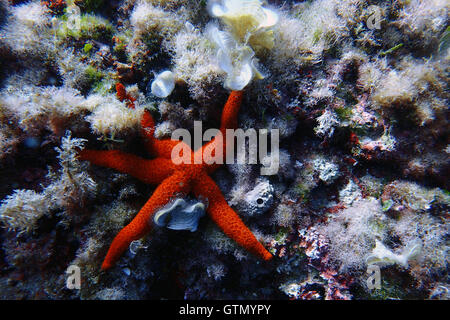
<point>90,27</point>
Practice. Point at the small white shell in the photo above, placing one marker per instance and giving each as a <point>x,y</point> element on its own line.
<point>127,271</point>
<point>189,26</point>
<point>163,84</point>
<point>180,215</point>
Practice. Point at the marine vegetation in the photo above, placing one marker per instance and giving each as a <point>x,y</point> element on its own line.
<point>94,203</point>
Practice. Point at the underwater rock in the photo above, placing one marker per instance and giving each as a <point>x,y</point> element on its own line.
<point>180,215</point>
<point>327,170</point>
<point>350,193</point>
<point>260,199</point>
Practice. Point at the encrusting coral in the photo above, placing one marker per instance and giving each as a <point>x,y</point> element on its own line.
<point>175,180</point>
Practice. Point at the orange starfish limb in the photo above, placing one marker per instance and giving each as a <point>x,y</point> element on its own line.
<point>228,121</point>
<point>226,218</point>
<point>175,185</point>
<point>149,171</point>
<point>160,148</point>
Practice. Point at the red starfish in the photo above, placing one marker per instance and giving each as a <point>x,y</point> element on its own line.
<point>176,180</point>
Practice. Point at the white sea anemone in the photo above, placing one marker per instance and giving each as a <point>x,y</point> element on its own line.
<point>163,84</point>
<point>382,256</point>
<point>248,20</point>
<point>236,60</point>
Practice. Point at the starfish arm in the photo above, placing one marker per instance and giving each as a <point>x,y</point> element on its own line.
<point>160,148</point>
<point>173,186</point>
<point>149,171</point>
<point>226,218</point>
<point>228,121</point>
<point>231,110</point>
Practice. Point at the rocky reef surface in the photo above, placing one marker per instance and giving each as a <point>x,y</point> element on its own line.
<point>358,90</point>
